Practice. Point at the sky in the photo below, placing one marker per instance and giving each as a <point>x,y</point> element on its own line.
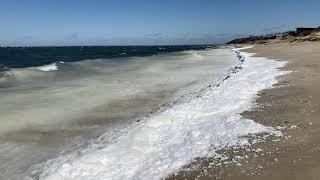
<point>148,22</point>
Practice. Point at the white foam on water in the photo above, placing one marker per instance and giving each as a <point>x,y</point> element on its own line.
<point>161,144</point>
<point>48,67</point>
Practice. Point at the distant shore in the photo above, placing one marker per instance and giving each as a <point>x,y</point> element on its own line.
<point>299,35</point>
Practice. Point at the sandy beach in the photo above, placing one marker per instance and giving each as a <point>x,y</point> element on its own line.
<point>293,104</point>
<point>290,106</point>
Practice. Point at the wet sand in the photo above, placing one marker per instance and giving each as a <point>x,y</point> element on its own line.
<point>293,103</point>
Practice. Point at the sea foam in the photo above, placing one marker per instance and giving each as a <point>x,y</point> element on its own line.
<point>164,142</point>
<point>49,67</point>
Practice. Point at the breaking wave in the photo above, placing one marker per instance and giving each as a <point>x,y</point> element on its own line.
<point>50,67</point>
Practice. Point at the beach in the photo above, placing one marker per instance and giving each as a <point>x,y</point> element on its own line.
<point>292,106</point>
<point>160,90</point>
<point>246,113</point>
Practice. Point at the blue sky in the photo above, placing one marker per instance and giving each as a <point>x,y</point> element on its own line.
<point>141,22</point>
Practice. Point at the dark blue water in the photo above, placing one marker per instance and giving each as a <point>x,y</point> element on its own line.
<point>18,57</point>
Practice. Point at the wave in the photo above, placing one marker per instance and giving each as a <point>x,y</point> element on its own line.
<point>24,56</point>
<point>196,55</point>
<point>49,67</point>
<point>173,136</point>
<point>14,77</point>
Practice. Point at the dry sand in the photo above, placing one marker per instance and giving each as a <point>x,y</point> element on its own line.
<point>293,103</point>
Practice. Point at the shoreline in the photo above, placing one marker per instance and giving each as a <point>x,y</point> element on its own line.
<point>292,104</point>
<point>238,155</point>
<point>225,131</point>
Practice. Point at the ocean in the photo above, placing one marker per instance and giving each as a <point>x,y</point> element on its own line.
<point>123,112</point>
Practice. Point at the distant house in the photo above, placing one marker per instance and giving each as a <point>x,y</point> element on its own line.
<point>306,31</point>
<point>284,35</point>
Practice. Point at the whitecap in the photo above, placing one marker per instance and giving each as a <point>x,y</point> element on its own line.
<point>48,67</point>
